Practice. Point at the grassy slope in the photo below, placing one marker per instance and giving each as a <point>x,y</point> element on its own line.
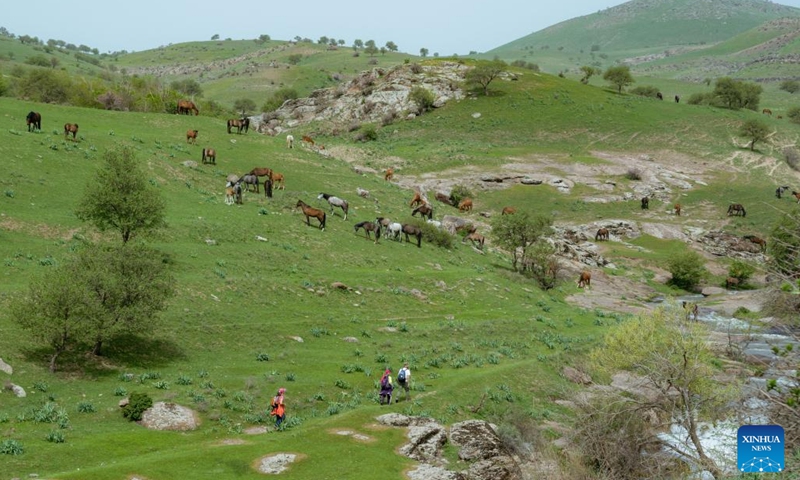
<point>242,297</point>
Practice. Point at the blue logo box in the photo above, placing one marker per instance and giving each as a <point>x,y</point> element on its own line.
<point>760,449</point>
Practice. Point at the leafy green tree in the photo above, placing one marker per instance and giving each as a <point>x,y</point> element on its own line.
<point>215,36</point>
<point>791,86</point>
<point>138,403</point>
<point>120,198</point>
<point>484,73</point>
<point>542,264</point>
<point>619,76</point>
<point>323,40</point>
<point>675,359</point>
<point>422,98</point>
<point>517,233</point>
<point>45,86</point>
<point>423,52</point>
<point>588,72</point>
<point>687,269</point>
<point>187,87</point>
<point>55,310</point>
<point>358,43</point>
<point>735,94</point>
<point>295,58</point>
<point>244,105</point>
<point>755,130</point>
<point>371,50</point>
<point>391,46</point>
<point>263,38</point>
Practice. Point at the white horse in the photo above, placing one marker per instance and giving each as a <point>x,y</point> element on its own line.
<point>362,193</point>
<point>335,202</point>
<point>394,229</point>
<point>289,141</point>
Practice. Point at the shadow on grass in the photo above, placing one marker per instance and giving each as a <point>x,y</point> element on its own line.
<point>123,351</point>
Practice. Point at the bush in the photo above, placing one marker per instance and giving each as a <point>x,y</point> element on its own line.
<point>416,68</point>
<point>687,269</point>
<point>11,447</point>
<point>278,98</point>
<point>793,114</point>
<point>55,437</point>
<point>645,91</point>
<point>38,60</point>
<point>699,99</point>
<point>633,173</point>
<point>790,86</point>
<point>460,192</point>
<point>86,407</point>
<point>137,404</point>
<point>436,236</point>
<point>368,133</point>
<point>422,98</point>
<point>741,270</point>
<point>294,58</point>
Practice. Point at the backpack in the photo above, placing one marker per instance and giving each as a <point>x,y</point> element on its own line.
<point>401,376</point>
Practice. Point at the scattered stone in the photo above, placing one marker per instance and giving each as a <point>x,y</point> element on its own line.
<point>430,472</point>
<point>190,164</point>
<point>530,181</point>
<point>18,391</point>
<point>4,367</point>
<point>210,242</point>
<point>476,115</point>
<point>124,402</point>
<point>257,430</point>
<point>576,376</point>
<point>350,339</point>
<point>708,291</point>
<point>296,338</point>
<point>169,416</point>
<point>260,238</point>
<point>275,463</point>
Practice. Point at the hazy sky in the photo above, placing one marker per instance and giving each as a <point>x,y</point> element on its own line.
<point>442,26</point>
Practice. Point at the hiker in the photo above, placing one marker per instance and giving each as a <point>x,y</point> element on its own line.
<point>278,409</point>
<point>404,379</point>
<point>386,386</point>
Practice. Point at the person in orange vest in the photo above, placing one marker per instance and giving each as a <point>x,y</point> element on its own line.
<point>278,408</point>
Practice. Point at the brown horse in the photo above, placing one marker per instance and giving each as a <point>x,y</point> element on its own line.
<point>758,241</point>
<point>187,106</point>
<point>209,156</point>
<point>277,179</point>
<point>34,121</point>
<point>645,203</point>
<point>767,111</point>
<point>239,124</point>
<point>191,136</point>
<point>308,140</point>
<point>678,208</point>
<point>261,172</point>
<point>70,128</point>
<point>312,212</point>
<point>731,282</point>
<point>602,234</point>
<point>389,175</point>
<point>465,205</point>
<point>508,211</point>
<point>415,231</point>
<point>368,228</point>
<point>417,200</point>
<point>736,209</point>
<point>585,280</point>
<point>425,210</point>
<point>476,239</point>
<point>796,195</point>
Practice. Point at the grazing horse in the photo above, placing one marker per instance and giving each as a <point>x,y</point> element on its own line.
<point>335,202</point>
<point>677,98</point>
<point>767,111</point>
<point>278,181</point>
<point>415,231</point>
<point>508,211</point>
<point>731,282</point>
<point>250,180</point>
<point>362,193</point>
<point>230,194</point>
<point>475,238</point>
<point>465,205</point>
<point>444,198</point>
<point>585,280</point>
<point>312,212</point>
<point>425,210</point>
<point>308,140</point>
<point>779,191</point>
<point>369,227</point>
<point>34,121</point>
<point>796,195</point>
<point>239,124</point>
<point>758,241</point>
<point>678,209</point>
<point>210,155</point>
<point>261,172</point>
<point>289,141</point>
<point>70,128</point>
<point>186,106</point>
<point>659,96</point>
<point>645,203</point>
<point>392,228</point>
<point>389,175</point>
<point>602,234</point>
<point>419,199</point>
<point>736,209</point>
<point>691,310</point>
<point>191,136</point>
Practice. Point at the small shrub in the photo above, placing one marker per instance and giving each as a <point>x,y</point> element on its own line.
<point>687,269</point>
<point>793,114</point>
<point>645,91</point>
<point>422,98</point>
<point>741,270</point>
<point>120,392</point>
<point>633,173</point>
<point>699,98</point>
<point>416,68</point>
<point>436,236</point>
<point>86,407</point>
<point>290,377</point>
<point>11,447</point>
<point>9,193</point>
<point>40,386</point>
<point>368,133</point>
<point>137,404</point>
<point>184,380</point>
<point>460,192</point>
<point>161,385</point>
<point>262,357</point>
<point>790,86</point>
<point>55,436</point>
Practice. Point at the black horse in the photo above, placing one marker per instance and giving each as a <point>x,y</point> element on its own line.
<point>34,120</point>
<point>736,209</point>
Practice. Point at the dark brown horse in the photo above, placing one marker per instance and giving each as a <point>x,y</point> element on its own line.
<point>70,128</point>
<point>312,212</point>
<point>389,174</point>
<point>767,111</point>
<point>185,107</point>
<point>424,210</point>
<point>645,203</point>
<point>413,230</point>
<point>209,156</point>
<point>731,282</point>
<point>34,121</point>
<point>736,209</point>
<point>369,227</point>
<point>678,209</point>
<point>602,234</point>
<point>261,172</point>
<point>476,239</point>
<point>239,124</point>
<point>585,280</point>
<point>659,96</point>
<point>758,241</point>
<point>191,136</point>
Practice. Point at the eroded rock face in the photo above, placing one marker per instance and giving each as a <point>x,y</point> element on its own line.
<point>476,439</point>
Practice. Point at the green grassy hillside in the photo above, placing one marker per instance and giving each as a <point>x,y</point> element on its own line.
<point>468,326</point>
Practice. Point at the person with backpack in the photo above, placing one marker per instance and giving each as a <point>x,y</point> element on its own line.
<point>386,386</point>
<point>404,379</point>
<point>278,408</point>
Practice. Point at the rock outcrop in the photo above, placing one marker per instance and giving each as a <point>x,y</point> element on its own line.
<point>169,416</point>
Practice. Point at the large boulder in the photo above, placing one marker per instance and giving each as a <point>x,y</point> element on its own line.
<point>4,367</point>
<point>169,416</point>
